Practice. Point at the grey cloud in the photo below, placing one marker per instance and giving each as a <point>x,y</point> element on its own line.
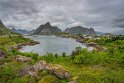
<point>102,15</point>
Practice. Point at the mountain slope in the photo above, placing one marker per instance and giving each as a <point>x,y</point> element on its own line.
<point>47,29</point>
<point>80,30</point>
<point>20,31</point>
<point>4,30</point>
<point>99,33</point>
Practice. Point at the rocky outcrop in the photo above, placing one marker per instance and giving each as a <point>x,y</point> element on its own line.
<point>41,65</point>
<point>80,30</point>
<point>54,69</point>
<point>23,58</point>
<point>47,29</point>
<point>2,54</point>
<point>33,70</point>
<point>58,71</point>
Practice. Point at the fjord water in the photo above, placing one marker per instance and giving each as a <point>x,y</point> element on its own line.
<point>52,44</point>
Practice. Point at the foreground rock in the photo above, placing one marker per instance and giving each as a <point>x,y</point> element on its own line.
<point>56,70</point>
<point>28,70</point>
<point>2,54</point>
<point>33,70</point>
<point>23,58</point>
<point>41,65</point>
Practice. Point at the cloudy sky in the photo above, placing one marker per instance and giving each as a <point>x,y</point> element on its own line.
<point>102,15</point>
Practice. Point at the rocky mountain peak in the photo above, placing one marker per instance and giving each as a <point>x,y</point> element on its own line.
<point>48,24</point>
<point>47,29</point>
<point>80,30</point>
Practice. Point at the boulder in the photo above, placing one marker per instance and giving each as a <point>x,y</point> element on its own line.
<point>58,71</point>
<point>41,65</point>
<point>23,58</point>
<point>54,69</point>
<point>33,70</point>
<point>28,70</point>
<point>2,54</point>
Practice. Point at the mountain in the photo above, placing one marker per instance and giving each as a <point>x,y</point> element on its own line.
<point>20,31</point>
<point>80,30</point>
<point>99,33</point>
<point>4,30</point>
<point>47,29</point>
<point>32,31</point>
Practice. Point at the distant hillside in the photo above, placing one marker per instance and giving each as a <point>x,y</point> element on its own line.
<point>80,30</point>
<point>20,31</point>
<point>99,33</point>
<point>47,29</point>
<point>4,30</point>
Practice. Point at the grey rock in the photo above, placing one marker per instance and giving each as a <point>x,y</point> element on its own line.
<point>32,70</point>
<point>41,65</point>
<point>23,58</point>
<point>58,71</point>
<point>2,54</point>
<point>28,70</point>
<point>54,69</point>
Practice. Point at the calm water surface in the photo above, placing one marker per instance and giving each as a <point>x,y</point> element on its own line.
<point>52,44</point>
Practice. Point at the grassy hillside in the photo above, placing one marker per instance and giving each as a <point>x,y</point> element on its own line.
<point>4,30</point>
<point>85,66</point>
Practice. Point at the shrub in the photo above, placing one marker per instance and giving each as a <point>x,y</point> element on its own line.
<point>75,52</point>
<point>63,54</point>
<point>84,58</point>
<point>56,55</point>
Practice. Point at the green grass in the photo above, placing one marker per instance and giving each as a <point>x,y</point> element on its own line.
<point>6,42</point>
<point>85,66</point>
<point>5,31</point>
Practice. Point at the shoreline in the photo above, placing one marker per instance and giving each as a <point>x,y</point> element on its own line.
<point>19,46</point>
<point>78,39</point>
<point>93,45</point>
<point>90,46</point>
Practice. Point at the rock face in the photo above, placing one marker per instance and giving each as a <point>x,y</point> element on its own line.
<point>56,70</point>
<point>47,29</point>
<point>41,65</point>
<point>2,54</point>
<point>4,30</point>
<point>23,58</point>
<point>80,30</point>
<point>33,70</point>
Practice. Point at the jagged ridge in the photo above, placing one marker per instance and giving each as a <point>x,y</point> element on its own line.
<point>47,29</point>
<point>80,30</point>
